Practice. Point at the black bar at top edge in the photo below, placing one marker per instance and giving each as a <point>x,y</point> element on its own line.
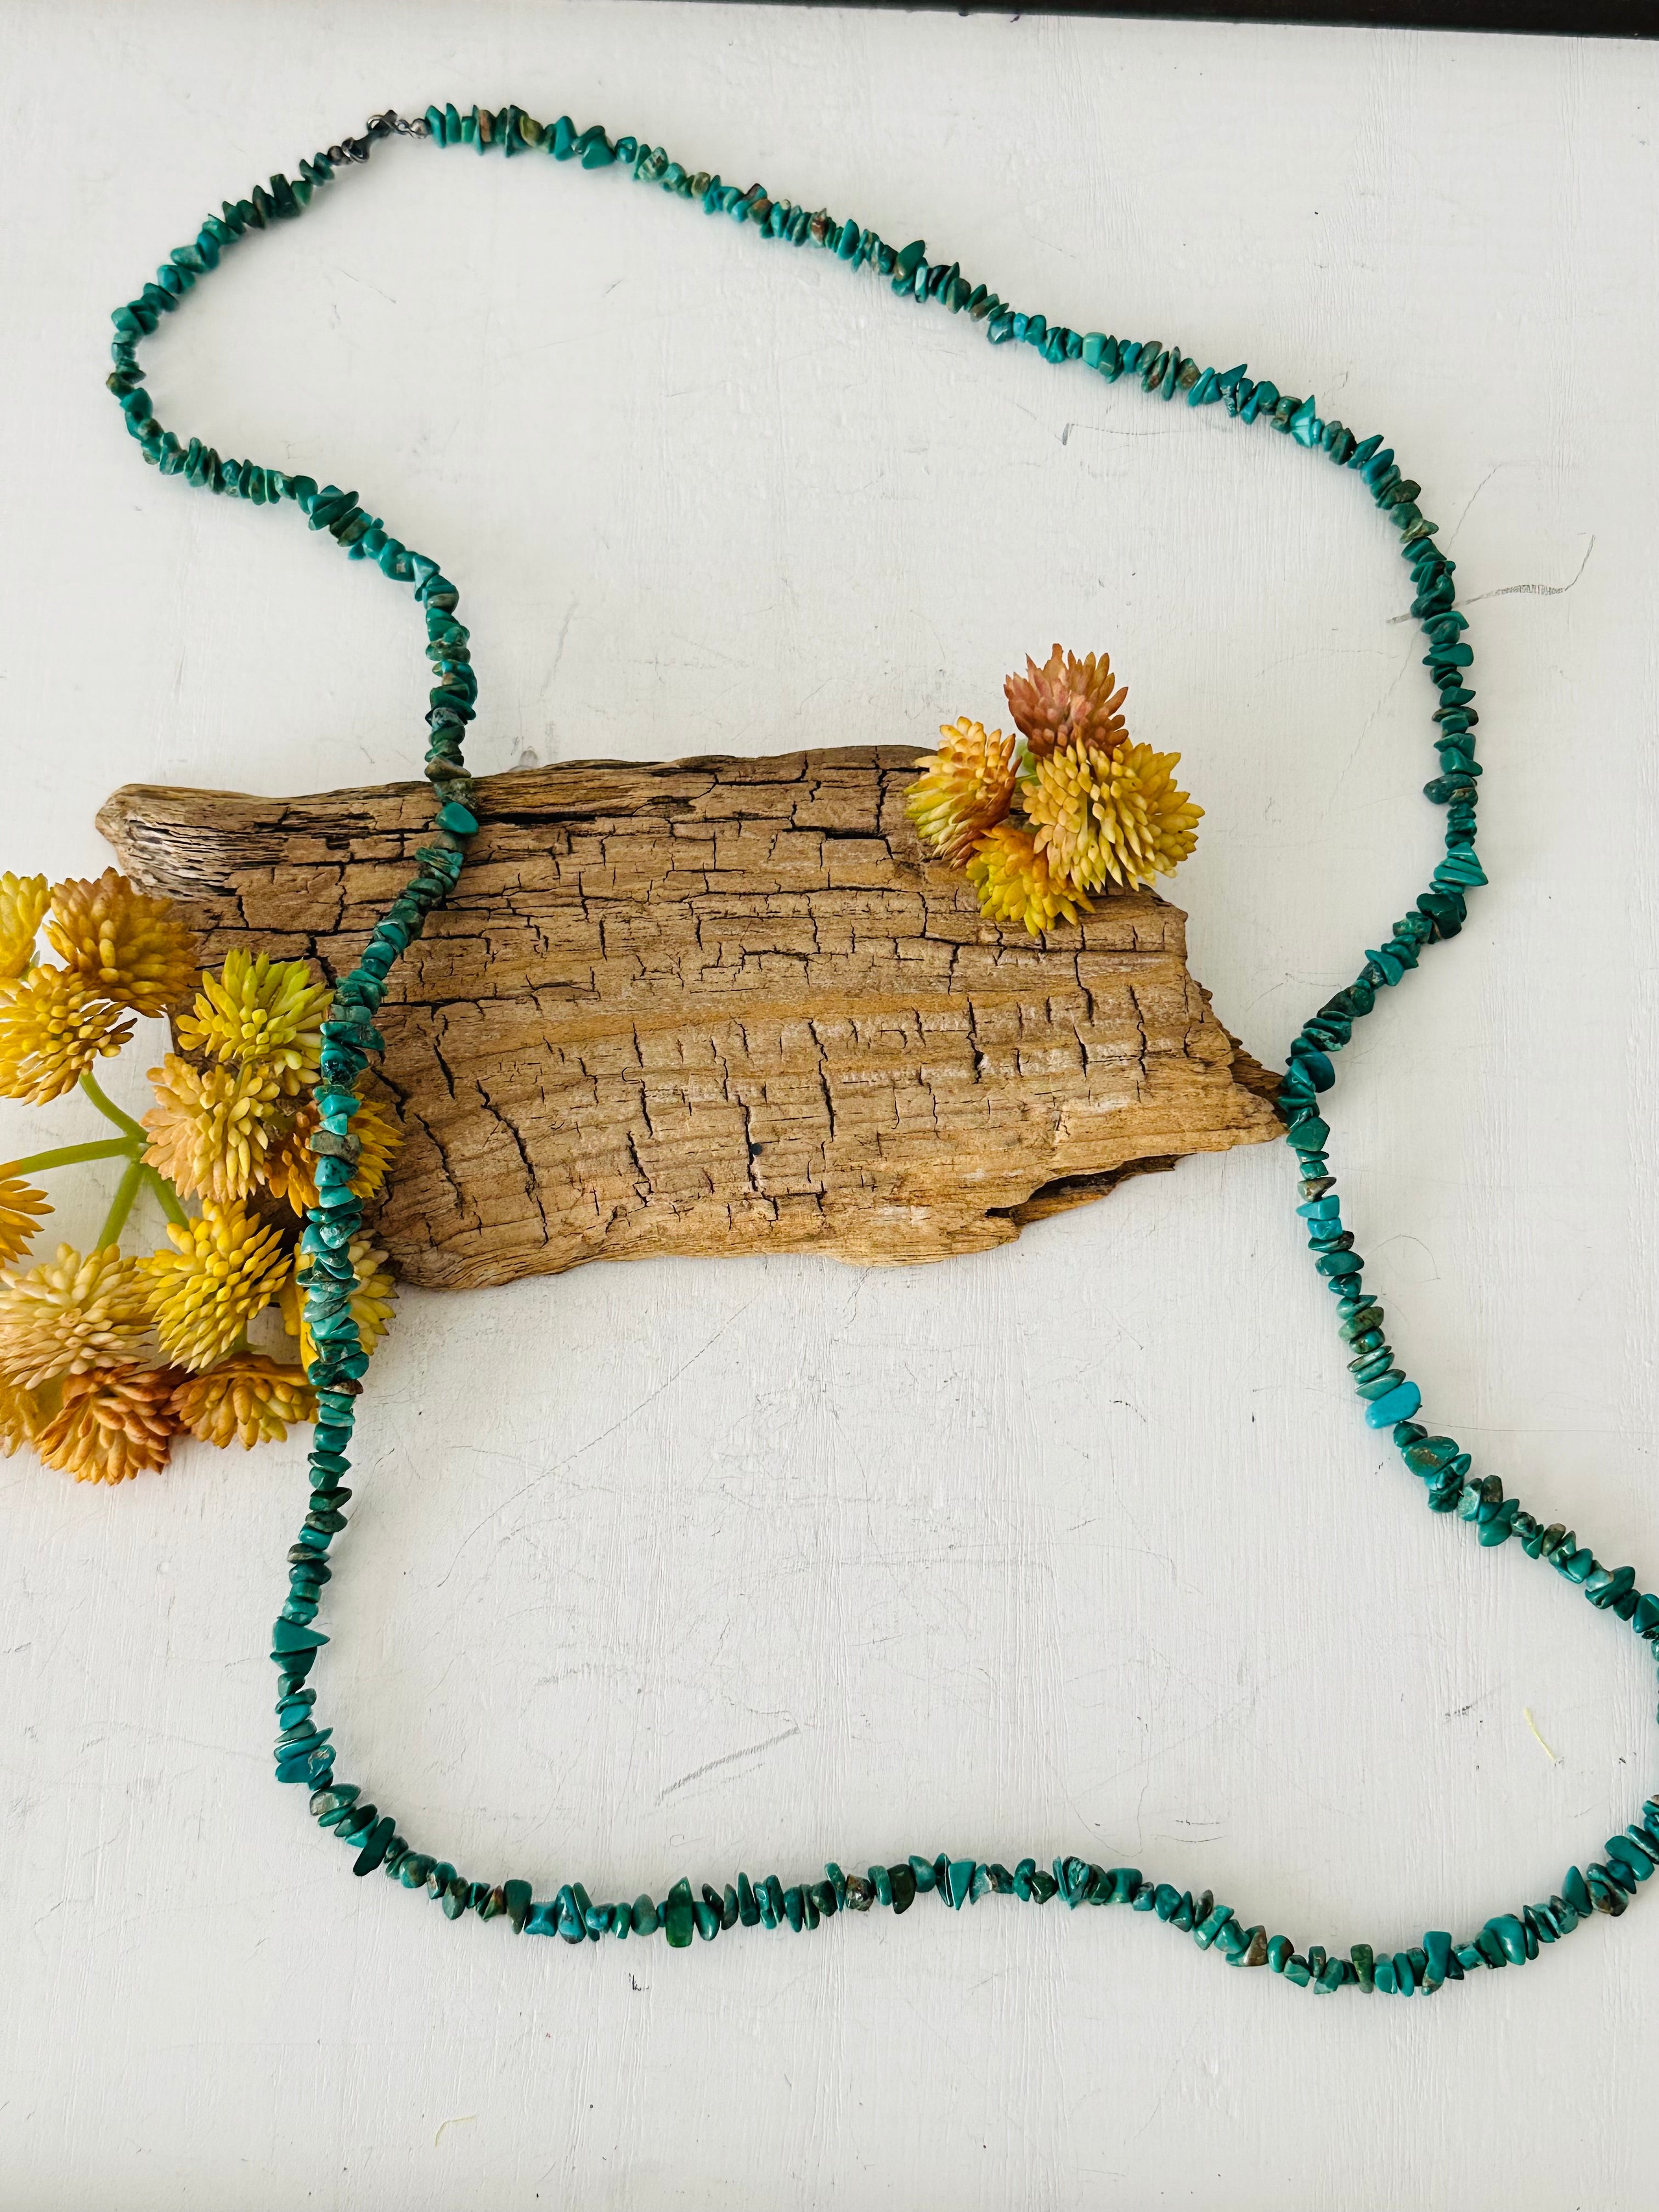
<point>1581,19</point>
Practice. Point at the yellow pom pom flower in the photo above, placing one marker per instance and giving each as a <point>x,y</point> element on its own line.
<point>1065,699</point>
<point>1099,814</point>
<point>290,1171</point>
<point>72,1315</point>
<point>113,1423</point>
<point>53,1026</point>
<point>212,1133</point>
<point>965,789</point>
<point>224,1269</point>
<point>123,943</point>
<point>20,1208</point>
<point>22,902</point>
<point>247,1396</point>
<point>260,1010</point>
<point>1015,883</point>
<point>372,1300</point>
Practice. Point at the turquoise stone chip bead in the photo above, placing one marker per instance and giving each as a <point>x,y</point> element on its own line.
<point>1399,1405</point>
<point>1622,1852</point>
<point>957,1885</point>
<point>677,1918</point>
<point>1210,1927</point>
<point>1280,1950</point>
<point>375,1847</point>
<point>1437,1950</point>
<point>1229,1940</point>
<point>1511,1935</point>
<point>543,1918</point>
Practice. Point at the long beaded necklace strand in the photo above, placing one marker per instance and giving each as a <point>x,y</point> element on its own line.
<point>304,1752</point>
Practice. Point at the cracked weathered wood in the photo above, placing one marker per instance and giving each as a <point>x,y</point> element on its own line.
<point>717,1006</point>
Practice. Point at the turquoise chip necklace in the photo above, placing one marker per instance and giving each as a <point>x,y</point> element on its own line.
<point>1390,1400</point>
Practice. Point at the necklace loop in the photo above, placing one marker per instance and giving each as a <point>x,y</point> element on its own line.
<point>304,1753</point>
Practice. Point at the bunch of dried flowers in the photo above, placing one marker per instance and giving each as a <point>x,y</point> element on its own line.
<point>1040,820</point>
<point>106,1355</point>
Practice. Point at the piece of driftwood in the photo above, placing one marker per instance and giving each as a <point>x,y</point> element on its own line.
<point>717,1006</point>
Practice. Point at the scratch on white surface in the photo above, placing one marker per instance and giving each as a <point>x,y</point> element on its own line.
<point>456,2120</point>
<point>727,1758</point>
<point>1533,1725</point>
<point>1510,591</point>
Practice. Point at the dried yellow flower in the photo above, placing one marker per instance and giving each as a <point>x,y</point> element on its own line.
<point>1014,882</point>
<point>1114,814</point>
<point>965,787</point>
<point>22,902</point>
<point>20,1208</point>
<point>224,1269</point>
<point>263,1009</point>
<point>52,1027</point>
<point>212,1133</point>
<point>290,1169</point>
<point>124,945</point>
<point>71,1315</point>
<point>20,1418</point>
<point>1066,699</point>
<point>372,1300</point>
<point>247,1396</point>
<point>114,1422</point>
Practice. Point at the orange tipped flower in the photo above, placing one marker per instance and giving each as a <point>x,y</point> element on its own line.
<point>964,789</point>
<point>123,943</point>
<point>212,1133</point>
<point>71,1315</point>
<point>247,1396</point>
<point>53,1026</point>
<point>290,1171</point>
<point>114,1422</point>
<point>1100,814</point>
<point>1065,699</point>
<point>20,1208</point>
<point>266,1010</point>
<point>224,1269</point>
<point>22,902</point>
<point>20,1418</point>
<point>372,1300</point>
<point>1015,883</point>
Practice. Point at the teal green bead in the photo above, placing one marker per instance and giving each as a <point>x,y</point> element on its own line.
<point>458,820</point>
<point>959,1883</point>
<point>1381,1386</point>
<point>1511,1935</point>
<point>1210,1927</point>
<point>1280,1950</point>
<point>1399,1405</point>
<point>679,1919</point>
<point>292,1636</point>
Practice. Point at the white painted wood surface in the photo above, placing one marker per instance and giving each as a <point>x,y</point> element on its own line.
<point>1078,1547</point>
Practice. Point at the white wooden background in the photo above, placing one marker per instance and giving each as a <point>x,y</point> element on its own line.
<point>1080,1548</point>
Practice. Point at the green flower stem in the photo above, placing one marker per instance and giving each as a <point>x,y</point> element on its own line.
<point>126,1190</point>
<point>165,1196</point>
<point>69,1155</point>
<point>109,1107</point>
